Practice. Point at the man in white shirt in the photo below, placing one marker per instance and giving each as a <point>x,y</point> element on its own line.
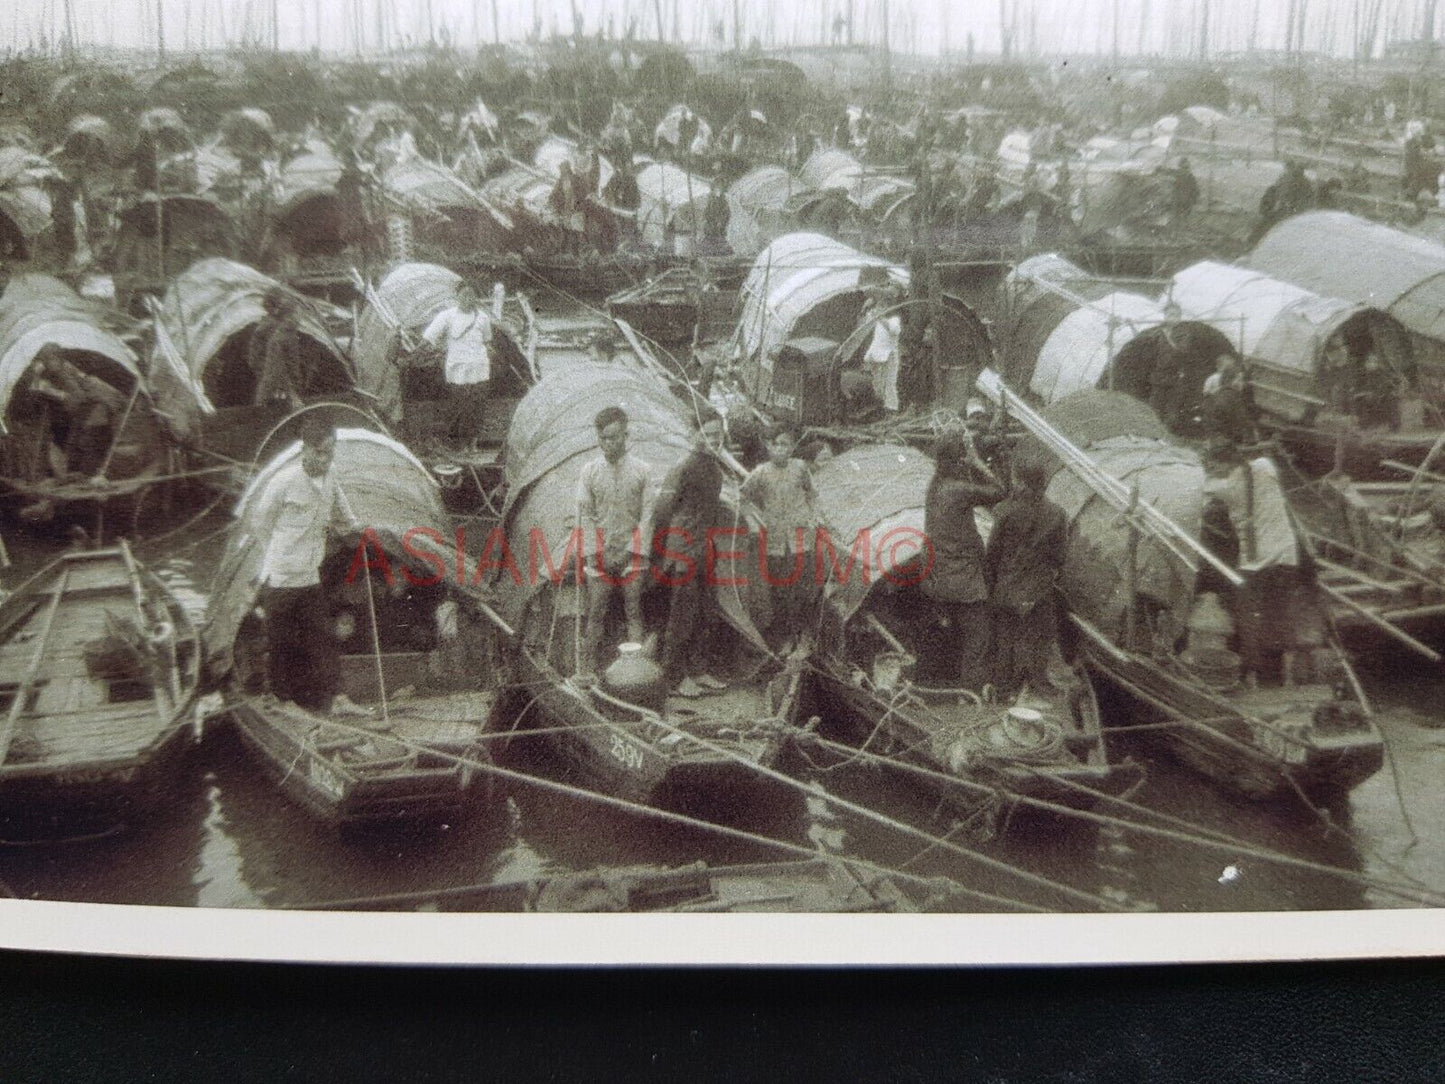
<point>1276,609</point>
<point>297,510</point>
<point>615,498</point>
<point>464,332</point>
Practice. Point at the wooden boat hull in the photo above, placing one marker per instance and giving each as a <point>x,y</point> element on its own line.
<point>101,798</point>
<point>818,885</point>
<point>434,787</point>
<point>1078,778</point>
<point>1225,747</point>
<point>648,764</point>
<point>88,750</point>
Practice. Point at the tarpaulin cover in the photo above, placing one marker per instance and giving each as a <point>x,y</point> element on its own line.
<point>522,188</point>
<point>386,487</point>
<point>366,120</point>
<point>1269,320</point>
<point>670,196</point>
<point>203,307</point>
<point>313,173</point>
<point>1169,476</point>
<point>22,196</point>
<point>792,276</point>
<point>38,311</point>
<point>1077,353</point>
<point>410,296</point>
<point>1031,312</point>
<point>1340,255</point>
<point>878,488</point>
<point>757,205</point>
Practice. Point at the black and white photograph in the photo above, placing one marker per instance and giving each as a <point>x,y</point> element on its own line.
<point>865,457</point>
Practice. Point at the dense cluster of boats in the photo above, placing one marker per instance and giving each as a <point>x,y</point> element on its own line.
<point>751,273</point>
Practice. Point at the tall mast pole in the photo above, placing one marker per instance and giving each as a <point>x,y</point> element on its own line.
<point>161,31</point>
<point>275,26</point>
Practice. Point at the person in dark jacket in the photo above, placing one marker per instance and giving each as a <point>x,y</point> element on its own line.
<point>687,506</point>
<point>1025,556</point>
<point>956,585</point>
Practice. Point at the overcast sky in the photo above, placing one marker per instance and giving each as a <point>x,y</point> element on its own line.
<point>924,26</point>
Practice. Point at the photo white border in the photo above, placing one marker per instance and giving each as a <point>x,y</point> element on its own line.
<point>715,940</point>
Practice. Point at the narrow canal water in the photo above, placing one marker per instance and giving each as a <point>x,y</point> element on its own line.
<point>227,838</point>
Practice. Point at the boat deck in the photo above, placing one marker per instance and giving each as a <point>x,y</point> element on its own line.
<point>70,717</point>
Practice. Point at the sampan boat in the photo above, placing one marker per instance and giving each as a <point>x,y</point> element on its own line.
<point>403,740</point>
<point>817,885</point>
<point>876,630</point>
<point>1154,628</point>
<point>700,755</point>
<point>101,667</point>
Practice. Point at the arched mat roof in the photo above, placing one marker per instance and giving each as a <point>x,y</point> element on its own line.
<point>203,307</point>
<point>410,296</point>
<point>1077,352</point>
<point>757,204</point>
<point>38,311</point>
<point>879,488</point>
<point>670,195</point>
<point>793,275</point>
<point>388,489</point>
<point>1341,255</point>
<point>1265,318</point>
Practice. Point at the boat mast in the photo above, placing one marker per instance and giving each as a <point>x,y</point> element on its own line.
<point>1204,30</point>
<point>160,31</point>
<point>275,26</point>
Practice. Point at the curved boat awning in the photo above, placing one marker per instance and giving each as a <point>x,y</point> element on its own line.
<point>23,198</point>
<point>1265,318</point>
<point>555,149</point>
<point>203,307</point>
<point>407,298</point>
<point>1341,255</point>
<point>306,177</point>
<point>552,436</point>
<point>389,490</point>
<point>37,311</point>
<point>880,489</point>
<point>670,197</point>
<point>422,185</point>
<point>1077,353</point>
<point>829,168</point>
<point>758,207</point>
<point>789,279</point>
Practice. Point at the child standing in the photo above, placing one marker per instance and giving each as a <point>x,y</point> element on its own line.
<point>781,490</point>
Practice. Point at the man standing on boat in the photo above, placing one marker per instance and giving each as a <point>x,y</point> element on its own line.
<point>464,332</point>
<point>955,585</point>
<point>1273,610</point>
<point>1024,559</point>
<point>614,511</point>
<point>299,505</point>
<point>688,504</point>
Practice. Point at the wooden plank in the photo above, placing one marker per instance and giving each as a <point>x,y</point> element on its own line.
<point>1380,623</point>
<point>22,693</point>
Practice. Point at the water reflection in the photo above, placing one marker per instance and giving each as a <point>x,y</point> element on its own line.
<point>229,839</point>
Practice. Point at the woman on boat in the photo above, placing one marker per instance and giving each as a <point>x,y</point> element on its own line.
<point>464,333</point>
<point>956,586</point>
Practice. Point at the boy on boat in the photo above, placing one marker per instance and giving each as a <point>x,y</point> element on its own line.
<point>781,490</point>
<point>614,511</point>
<point>300,505</point>
<point>1024,559</point>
